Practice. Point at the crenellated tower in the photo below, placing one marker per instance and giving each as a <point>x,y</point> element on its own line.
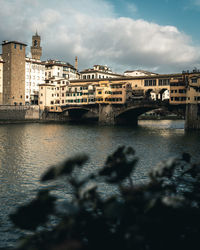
<point>36,50</point>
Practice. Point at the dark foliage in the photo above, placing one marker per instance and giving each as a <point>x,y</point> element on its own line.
<point>162,214</point>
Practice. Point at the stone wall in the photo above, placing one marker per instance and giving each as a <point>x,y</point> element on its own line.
<point>192,119</point>
<point>19,113</point>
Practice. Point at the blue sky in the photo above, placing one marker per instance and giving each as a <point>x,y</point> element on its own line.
<point>160,36</point>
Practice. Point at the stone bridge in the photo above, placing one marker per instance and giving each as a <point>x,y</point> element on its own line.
<point>114,113</point>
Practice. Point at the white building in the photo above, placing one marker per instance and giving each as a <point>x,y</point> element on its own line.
<point>55,69</point>
<point>98,72</point>
<point>35,75</point>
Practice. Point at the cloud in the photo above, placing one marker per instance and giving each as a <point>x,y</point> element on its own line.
<point>92,32</point>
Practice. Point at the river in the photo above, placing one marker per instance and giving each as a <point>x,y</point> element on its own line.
<point>27,150</point>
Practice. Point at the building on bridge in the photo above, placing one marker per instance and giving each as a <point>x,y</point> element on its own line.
<point>113,93</point>
<point>155,86</point>
<point>53,95</point>
<point>80,94</point>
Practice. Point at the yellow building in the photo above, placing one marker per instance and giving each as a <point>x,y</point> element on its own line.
<point>178,91</point>
<point>112,92</point>
<point>193,89</point>
<point>79,94</point>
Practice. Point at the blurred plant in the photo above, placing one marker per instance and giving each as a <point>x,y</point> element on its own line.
<point>162,214</point>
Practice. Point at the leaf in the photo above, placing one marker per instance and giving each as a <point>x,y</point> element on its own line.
<point>35,213</point>
<point>64,168</point>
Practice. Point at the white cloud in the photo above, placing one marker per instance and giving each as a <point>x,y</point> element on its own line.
<point>90,30</point>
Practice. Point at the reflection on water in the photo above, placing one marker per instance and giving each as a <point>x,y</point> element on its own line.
<point>26,150</point>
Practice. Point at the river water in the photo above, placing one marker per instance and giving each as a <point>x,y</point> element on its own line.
<point>27,150</point>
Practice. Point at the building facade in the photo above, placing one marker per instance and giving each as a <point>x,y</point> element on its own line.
<point>55,69</point>
<point>1,80</point>
<point>52,94</point>
<point>35,75</point>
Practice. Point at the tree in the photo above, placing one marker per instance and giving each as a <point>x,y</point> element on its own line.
<point>162,214</point>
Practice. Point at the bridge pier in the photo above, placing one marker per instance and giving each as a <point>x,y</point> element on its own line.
<point>192,120</point>
<point>106,114</point>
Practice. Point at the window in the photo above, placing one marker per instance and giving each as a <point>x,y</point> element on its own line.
<point>163,82</point>
<point>15,45</point>
<point>20,46</point>
<point>194,80</point>
<point>150,82</point>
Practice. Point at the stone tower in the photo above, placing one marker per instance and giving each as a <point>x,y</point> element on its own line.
<point>76,63</point>
<point>13,55</point>
<point>36,50</point>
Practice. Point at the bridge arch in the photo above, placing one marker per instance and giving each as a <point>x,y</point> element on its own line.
<point>130,115</point>
<point>80,113</point>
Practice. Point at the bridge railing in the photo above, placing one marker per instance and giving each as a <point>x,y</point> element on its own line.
<point>147,101</point>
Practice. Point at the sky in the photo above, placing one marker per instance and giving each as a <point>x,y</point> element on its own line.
<point>160,36</point>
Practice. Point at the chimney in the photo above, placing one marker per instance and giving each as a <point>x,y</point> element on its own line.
<point>76,63</point>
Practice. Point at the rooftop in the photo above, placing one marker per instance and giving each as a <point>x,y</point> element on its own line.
<point>8,42</point>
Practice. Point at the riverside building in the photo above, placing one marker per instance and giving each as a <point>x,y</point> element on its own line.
<point>52,94</point>
<point>1,80</point>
